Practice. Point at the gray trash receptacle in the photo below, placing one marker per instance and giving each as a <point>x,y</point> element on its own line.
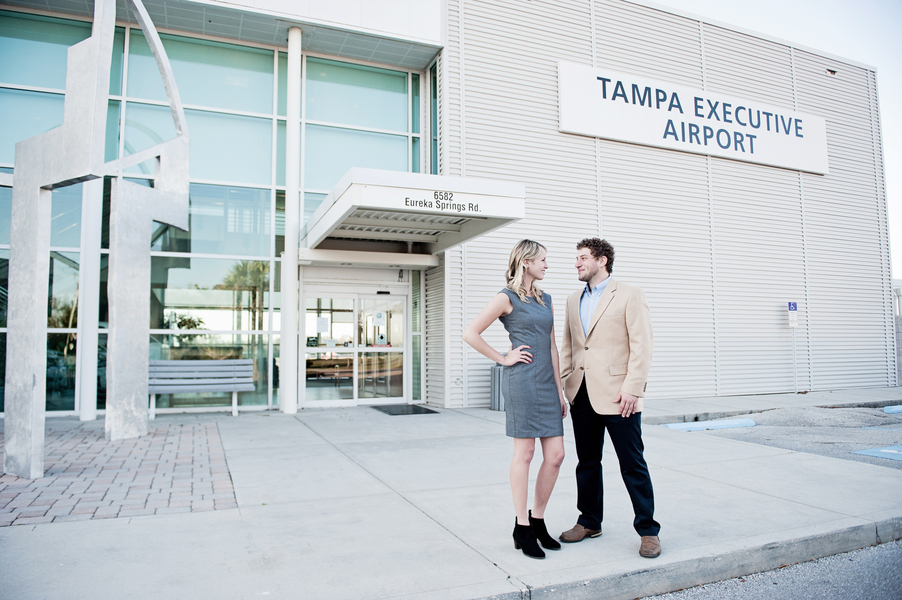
<point>497,397</point>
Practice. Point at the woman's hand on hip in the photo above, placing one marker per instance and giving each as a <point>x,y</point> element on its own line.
<point>516,355</point>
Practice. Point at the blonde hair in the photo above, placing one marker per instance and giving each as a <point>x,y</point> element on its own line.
<point>523,251</point>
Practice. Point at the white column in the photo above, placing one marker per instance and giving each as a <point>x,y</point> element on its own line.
<point>89,297</point>
<point>288,373</point>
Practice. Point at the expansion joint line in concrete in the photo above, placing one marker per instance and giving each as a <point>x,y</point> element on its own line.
<point>523,587</point>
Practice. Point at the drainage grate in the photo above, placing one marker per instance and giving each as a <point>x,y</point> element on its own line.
<point>404,409</point>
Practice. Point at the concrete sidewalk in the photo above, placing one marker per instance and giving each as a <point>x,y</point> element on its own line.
<point>353,503</point>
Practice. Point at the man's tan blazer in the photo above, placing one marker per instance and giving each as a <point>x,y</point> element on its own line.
<point>616,355</point>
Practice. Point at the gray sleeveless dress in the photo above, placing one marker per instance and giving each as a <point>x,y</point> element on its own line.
<point>531,399</point>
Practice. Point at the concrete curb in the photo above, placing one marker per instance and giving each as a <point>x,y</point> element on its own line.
<point>715,567</point>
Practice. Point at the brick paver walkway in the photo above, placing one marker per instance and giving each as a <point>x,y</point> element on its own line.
<point>175,468</point>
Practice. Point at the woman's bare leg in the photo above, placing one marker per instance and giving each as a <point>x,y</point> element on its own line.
<point>552,458</point>
<point>524,448</point>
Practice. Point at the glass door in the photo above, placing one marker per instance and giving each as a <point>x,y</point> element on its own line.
<point>355,349</point>
<point>380,361</point>
<point>330,342</point>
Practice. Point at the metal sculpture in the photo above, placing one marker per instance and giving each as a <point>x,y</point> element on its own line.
<point>66,155</point>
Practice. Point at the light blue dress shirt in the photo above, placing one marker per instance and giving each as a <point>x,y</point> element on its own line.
<point>588,301</point>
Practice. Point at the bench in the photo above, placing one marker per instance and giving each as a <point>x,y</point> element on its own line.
<point>193,376</point>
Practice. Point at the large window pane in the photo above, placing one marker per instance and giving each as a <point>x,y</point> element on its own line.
<point>329,322</point>
<point>356,95</point>
<point>331,151</point>
<point>60,384</point>
<point>24,115</point>
<point>34,49</point>
<point>230,148</point>
<point>208,73</point>
<point>214,347</point>
<point>65,218</point>
<point>223,147</point>
<point>222,220</point>
<point>63,291</point>
<point>311,203</point>
<point>208,294</point>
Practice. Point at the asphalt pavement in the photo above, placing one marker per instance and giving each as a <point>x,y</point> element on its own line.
<point>354,503</point>
<point>871,573</point>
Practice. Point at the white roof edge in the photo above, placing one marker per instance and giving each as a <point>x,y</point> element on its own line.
<point>771,38</point>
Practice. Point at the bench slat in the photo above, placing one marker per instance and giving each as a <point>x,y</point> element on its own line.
<point>231,362</point>
<point>177,389</point>
<point>196,374</point>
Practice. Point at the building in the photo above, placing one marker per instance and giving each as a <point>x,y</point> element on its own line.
<point>491,96</point>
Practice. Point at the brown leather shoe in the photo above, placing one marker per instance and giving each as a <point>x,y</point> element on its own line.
<point>650,546</point>
<point>578,533</point>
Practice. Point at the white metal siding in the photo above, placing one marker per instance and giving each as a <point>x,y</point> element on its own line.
<point>434,335</point>
<point>852,334</point>
<point>719,246</point>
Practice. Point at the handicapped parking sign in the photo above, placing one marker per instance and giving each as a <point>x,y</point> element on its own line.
<point>793,314</point>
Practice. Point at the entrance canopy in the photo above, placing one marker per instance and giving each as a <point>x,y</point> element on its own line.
<point>390,219</point>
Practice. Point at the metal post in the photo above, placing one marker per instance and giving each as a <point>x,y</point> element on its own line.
<point>289,363</point>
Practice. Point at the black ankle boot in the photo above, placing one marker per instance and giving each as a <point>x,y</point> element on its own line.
<point>525,539</point>
<point>538,525</point>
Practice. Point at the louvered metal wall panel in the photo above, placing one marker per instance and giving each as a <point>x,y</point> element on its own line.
<point>719,246</point>
<point>658,220</point>
<point>434,333</point>
<point>746,67</point>
<point>451,95</point>
<point>512,50</point>
<point>760,265</point>
<point>852,337</point>
<point>642,41</point>
<point>455,298</point>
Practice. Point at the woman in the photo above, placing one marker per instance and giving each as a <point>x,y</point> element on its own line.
<point>531,385</point>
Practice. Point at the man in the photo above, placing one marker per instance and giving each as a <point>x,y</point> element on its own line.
<point>605,359</point>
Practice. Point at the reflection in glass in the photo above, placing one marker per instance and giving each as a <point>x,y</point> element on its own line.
<point>416,366</point>
<point>222,220</point>
<point>104,316</point>
<point>208,73</point>
<point>380,375</point>
<point>283,85</point>
<point>356,95</point>
<point>208,294</point>
<point>331,151</point>
<point>4,286</point>
<point>101,371</point>
<point>329,376</point>
<point>63,291</point>
<point>65,217</point>
<point>191,346</point>
<point>433,120</point>
<point>34,48</point>
<point>60,371</point>
<point>24,115</point>
<point>2,369</point>
<point>330,322</point>
<point>223,147</point>
<point>311,203</point>
<point>116,64</point>
<point>381,322</point>
<point>111,145</point>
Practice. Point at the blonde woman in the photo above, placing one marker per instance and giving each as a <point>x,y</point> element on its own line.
<point>531,385</point>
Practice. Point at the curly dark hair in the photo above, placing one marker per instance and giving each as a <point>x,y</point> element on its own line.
<point>599,248</point>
